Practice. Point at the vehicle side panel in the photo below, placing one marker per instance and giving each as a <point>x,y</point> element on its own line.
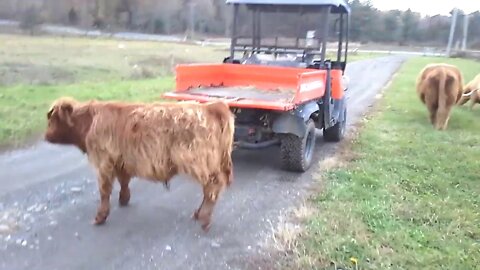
<point>211,75</point>
<point>338,89</point>
<point>304,84</point>
<point>311,85</point>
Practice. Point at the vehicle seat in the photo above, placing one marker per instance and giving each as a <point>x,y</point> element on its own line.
<point>254,60</point>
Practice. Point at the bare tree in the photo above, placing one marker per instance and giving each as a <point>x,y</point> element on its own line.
<point>72,17</point>
<point>31,19</point>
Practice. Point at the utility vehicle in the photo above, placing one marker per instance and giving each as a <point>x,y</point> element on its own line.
<point>278,80</point>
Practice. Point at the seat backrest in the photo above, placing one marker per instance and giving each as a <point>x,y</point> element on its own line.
<point>254,60</point>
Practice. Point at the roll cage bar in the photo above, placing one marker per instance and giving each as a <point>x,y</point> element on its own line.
<point>253,45</point>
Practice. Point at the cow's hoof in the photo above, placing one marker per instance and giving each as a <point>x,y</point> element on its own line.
<point>98,222</point>
<point>206,227</point>
<point>195,215</point>
<point>167,186</point>
<point>123,201</point>
<point>100,219</point>
<point>124,197</point>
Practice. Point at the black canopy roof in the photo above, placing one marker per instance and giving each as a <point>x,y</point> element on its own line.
<point>339,6</point>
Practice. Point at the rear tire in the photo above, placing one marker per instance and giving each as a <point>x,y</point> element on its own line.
<point>337,132</point>
<point>297,153</point>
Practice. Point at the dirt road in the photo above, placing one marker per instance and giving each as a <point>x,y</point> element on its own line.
<point>48,198</point>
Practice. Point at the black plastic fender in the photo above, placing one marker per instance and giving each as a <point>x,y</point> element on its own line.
<point>294,122</point>
<point>339,109</point>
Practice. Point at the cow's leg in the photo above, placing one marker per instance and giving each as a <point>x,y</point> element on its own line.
<point>443,116</point>
<point>432,107</point>
<point>124,180</point>
<point>204,213</point>
<point>473,103</point>
<point>211,192</point>
<point>166,184</point>
<point>431,102</point>
<point>433,116</point>
<point>105,183</point>
<point>196,213</point>
<point>463,100</point>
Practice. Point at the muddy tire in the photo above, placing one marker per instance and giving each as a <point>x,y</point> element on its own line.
<point>337,132</point>
<point>297,153</point>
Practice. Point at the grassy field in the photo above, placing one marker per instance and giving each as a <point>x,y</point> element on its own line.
<point>356,56</point>
<point>405,196</point>
<point>47,60</point>
<point>36,70</point>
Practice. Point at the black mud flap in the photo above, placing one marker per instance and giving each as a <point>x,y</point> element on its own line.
<point>294,122</point>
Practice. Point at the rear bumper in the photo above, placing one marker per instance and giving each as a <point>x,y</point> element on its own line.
<point>237,103</point>
<point>254,146</point>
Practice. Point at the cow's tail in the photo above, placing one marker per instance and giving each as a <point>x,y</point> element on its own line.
<point>441,78</point>
<point>442,94</point>
<point>225,118</point>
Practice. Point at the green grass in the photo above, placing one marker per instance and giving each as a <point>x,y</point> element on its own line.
<point>48,60</point>
<point>363,56</point>
<point>410,198</point>
<point>357,56</point>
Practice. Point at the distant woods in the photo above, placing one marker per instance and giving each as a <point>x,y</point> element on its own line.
<point>408,27</point>
<point>213,17</point>
<point>150,16</point>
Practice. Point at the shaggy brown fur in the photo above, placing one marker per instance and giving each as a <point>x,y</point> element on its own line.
<point>439,87</point>
<point>152,141</point>
<point>471,92</point>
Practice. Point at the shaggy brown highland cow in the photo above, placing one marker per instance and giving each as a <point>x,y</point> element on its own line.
<point>471,92</point>
<point>152,141</point>
<point>439,87</point>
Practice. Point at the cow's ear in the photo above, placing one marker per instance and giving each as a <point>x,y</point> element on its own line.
<point>65,113</point>
<point>49,113</point>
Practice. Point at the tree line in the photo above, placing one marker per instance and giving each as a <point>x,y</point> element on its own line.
<point>213,17</point>
<point>408,27</point>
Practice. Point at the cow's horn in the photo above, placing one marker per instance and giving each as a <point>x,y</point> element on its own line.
<point>470,93</point>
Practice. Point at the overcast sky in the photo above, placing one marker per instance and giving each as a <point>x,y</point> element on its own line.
<point>428,7</point>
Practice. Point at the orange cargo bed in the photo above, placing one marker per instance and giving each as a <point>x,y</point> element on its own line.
<point>248,86</point>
